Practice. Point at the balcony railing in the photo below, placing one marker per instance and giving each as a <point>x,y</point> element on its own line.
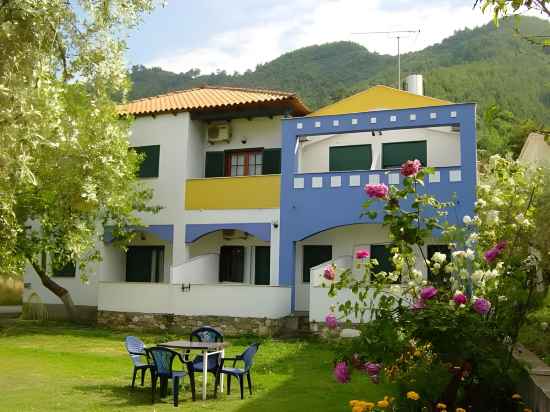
<point>241,192</point>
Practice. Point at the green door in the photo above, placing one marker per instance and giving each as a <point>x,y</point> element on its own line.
<point>357,157</point>
<point>261,265</point>
<point>314,255</point>
<point>232,264</point>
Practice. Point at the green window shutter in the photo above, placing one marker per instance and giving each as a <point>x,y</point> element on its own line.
<point>314,255</point>
<point>261,265</point>
<point>358,157</point>
<point>395,154</point>
<point>271,162</point>
<point>149,166</point>
<point>214,166</point>
<point>67,271</point>
<point>383,255</point>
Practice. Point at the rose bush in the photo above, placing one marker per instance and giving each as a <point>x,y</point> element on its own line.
<point>470,308</point>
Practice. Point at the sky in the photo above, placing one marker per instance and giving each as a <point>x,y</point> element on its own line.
<point>237,35</point>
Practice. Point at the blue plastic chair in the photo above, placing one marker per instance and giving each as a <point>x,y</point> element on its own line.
<point>206,334</point>
<point>163,359</point>
<point>136,350</point>
<point>248,358</point>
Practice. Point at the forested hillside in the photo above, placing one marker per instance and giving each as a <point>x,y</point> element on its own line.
<point>495,67</point>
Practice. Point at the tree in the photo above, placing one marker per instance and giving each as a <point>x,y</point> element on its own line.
<point>506,7</point>
<point>65,165</point>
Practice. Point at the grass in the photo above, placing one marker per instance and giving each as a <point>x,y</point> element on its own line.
<point>56,367</point>
<point>11,291</point>
<point>533,335</point>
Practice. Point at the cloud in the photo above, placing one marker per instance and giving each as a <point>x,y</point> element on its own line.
<point>275,30</point>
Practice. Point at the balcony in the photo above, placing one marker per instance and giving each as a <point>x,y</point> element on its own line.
<point>241,192</point>
<point>320,201</point>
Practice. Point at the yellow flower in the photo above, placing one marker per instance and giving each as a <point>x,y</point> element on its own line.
<point>369,406</point>
<point>460,410</point>
<point>441,406</point>
<point>527,410</point>
<point>417,353</point>
<point>413,395</point>
<point>383,403</point>
<point>516,396</point>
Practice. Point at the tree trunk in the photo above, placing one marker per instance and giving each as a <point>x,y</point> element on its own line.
<point>57,290</point>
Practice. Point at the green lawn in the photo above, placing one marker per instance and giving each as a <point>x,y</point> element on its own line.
<point>53,367</point>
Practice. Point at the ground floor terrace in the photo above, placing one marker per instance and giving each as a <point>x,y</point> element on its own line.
<point>230,278</point>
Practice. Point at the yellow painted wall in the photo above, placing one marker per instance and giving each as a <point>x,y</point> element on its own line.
<point>243,192</point>
<point>376,98</point>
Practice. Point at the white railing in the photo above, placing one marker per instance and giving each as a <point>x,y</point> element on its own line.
<point>200,300</point>
<point>199,270</point>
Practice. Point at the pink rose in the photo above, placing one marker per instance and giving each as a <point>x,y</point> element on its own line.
<point>379,191</point>
<point>482,306</point>
<point>418,305</point>
<point>361,254</point>
<point>493,253</point>
<point>341,372</point>
<point>460,299</point>
<point>331,321</point>
<point>329,273</point>
<point>411,167</point>
<point>373,369</point>
<point>428,293</point>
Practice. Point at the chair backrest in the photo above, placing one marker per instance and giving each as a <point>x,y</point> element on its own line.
<point>248,356</point>
<point>135,348</point>
<point>162,359</point>
<point>206,334</point>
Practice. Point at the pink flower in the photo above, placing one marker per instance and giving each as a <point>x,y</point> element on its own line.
<point>341,372</point>
<point>331,321</point>
<point>329,273</point>
<point>379,191</point>
<point>418,305</point>
<point>361,254</point>
<point>493,253</point>
<point>373,369</point>
<point>482,306</point>
<point>460,299</point>
<point>428,293</point>
<point>411,167</point>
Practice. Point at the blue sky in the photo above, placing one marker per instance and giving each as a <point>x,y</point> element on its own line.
<point>237,35</point>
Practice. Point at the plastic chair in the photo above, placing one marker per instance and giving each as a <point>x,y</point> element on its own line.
<point>248,358</point>
<point>136,350</point>
<point>163,359</point>
<point>206,334</point>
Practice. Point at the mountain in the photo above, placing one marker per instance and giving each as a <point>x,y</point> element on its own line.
<point>496,67</point>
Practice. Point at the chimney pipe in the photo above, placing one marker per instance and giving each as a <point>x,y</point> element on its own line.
<point>414,84</point>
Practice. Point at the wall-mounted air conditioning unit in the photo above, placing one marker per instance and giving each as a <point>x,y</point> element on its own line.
<point>218,132</point>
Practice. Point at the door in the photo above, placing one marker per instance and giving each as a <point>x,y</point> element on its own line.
<point>144,263</point>
<point>232,264</point>
<point>312,255</point>
<point>261,265</point>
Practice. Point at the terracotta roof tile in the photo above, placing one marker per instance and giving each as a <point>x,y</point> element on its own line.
<point>211,97</point>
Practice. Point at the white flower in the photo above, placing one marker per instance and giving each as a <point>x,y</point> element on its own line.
<point>462,306</point>
<point>463,274</point>
<point>477,276</point>
<point>458,292</point>
<point>502,298</point>
<point>459,254</point>
<point>481,203</point>
<point>416,274</point>
<point>467,220</point>
<point>437,266</point>
<point>474,237</point>
<point>470,254</point>
<point>395,289</point>
<point>492,217</point>
<point>439,257</point>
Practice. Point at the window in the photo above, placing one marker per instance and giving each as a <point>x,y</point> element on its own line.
<point>244,163</point>
<point>432,249</point>
<point>358,157</point>
<point>395,154</point>
<point>144,263</point>
<point>261,265</point>
<point>231,264</point>
<point>314,255</point>
<point>67,271</point>
<point>149,166</point>
<point>384,257</point>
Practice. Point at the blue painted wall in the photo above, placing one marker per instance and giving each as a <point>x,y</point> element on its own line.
<point>307,211</point>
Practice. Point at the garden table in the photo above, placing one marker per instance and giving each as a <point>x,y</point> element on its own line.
<point>207,349</point>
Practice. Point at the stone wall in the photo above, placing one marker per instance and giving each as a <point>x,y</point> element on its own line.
<point>231,326</point>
